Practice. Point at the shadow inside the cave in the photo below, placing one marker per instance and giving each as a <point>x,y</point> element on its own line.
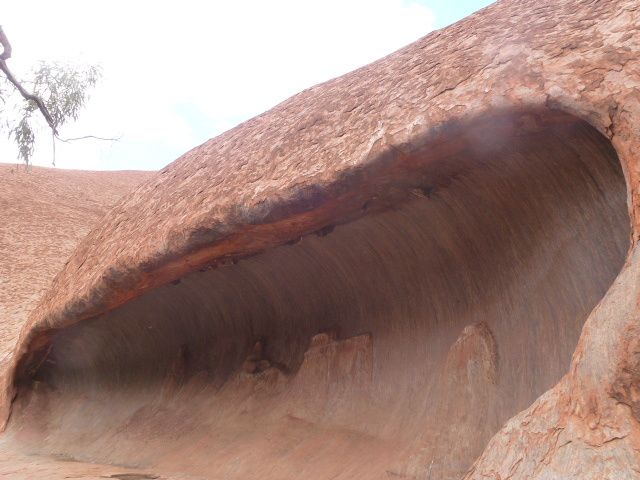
<point>398,342</point>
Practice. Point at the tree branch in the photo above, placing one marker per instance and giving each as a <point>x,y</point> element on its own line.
<point>29,96</point>
<point>6,53</point>
<point>67,140</point>
<point>6,46</point>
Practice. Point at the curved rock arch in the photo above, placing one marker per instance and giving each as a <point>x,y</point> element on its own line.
<point>291,172</point>
<point>491,240</point>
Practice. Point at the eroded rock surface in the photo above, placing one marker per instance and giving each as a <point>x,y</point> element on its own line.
<point>427,267</point>
<point>468,400</point>
<point>44,213</point>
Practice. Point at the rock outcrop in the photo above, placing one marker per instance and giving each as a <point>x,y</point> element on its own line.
<point>426,268</point>
<point>44,213</point>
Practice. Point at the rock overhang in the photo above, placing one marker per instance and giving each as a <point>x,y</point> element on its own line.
<point>359,310</point>
<point>357,146</point>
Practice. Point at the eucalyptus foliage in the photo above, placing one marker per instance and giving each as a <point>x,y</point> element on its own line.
<point>64,90</point>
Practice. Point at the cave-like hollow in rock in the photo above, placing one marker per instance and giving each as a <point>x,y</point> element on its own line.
<point>396,343</point>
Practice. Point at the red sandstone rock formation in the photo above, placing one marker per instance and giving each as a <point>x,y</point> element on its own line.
<point>458,221</point>
<point>43,215</point>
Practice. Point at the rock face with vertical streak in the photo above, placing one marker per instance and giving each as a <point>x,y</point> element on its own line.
<point>426,268</point>
<point>468,399</point>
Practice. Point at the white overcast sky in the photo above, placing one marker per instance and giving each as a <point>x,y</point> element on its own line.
<point>179,73</point>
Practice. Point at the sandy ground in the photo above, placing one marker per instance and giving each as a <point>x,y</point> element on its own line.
<point>32,467</point>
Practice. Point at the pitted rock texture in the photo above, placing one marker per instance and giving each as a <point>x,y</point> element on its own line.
<point>457,221</point>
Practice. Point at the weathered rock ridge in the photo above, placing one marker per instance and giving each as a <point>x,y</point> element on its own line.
<point>426,268</point>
